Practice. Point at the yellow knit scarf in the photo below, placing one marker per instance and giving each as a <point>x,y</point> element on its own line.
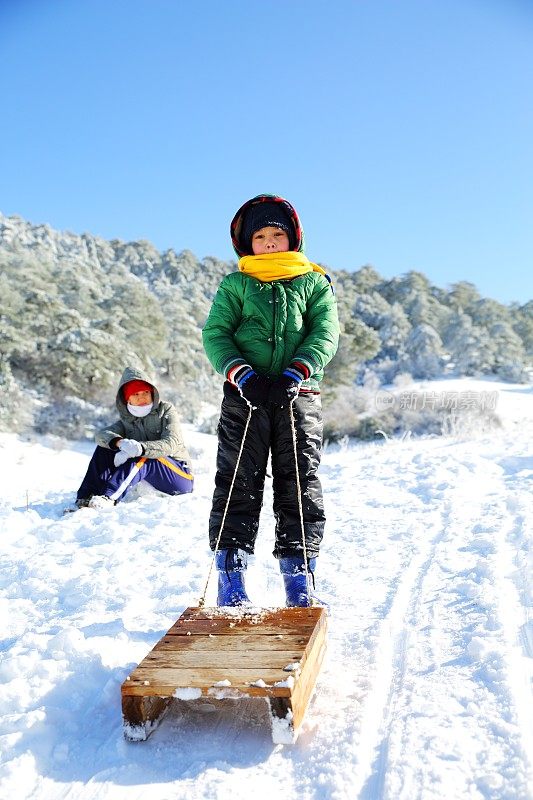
<point>278,266</point>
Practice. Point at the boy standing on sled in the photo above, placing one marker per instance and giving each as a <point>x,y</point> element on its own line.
<point>272,329</point>
<point>145,443</point>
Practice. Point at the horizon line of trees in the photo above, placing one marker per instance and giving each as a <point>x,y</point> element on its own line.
<point>69,324</point>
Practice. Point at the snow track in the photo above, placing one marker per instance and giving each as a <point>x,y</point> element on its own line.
<point>425,693</point>
<point>450,696</point>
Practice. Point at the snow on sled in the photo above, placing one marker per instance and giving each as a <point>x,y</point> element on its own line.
<point>225,653</point>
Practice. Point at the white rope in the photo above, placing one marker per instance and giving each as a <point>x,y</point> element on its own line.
<point>201,602</point>
<point>299,492</point>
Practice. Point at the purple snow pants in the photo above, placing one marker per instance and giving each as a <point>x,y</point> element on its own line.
<point>165,474</point>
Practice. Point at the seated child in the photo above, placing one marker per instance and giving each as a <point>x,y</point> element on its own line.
<point>145,443</point>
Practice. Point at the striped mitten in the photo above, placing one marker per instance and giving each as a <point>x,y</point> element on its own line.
<point>285,389</point>
<point>253,387</point>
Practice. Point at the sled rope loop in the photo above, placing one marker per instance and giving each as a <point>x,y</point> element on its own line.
<point>201,601</point>
<point>299,494</point>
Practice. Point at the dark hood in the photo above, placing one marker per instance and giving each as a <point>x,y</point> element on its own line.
<point>236,223</point>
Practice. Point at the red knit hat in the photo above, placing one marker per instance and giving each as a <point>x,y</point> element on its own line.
<point>132,387</point>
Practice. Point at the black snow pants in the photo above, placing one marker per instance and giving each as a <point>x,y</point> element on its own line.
<point>269,431</point>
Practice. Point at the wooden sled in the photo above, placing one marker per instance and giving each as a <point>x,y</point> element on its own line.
<point>230,653</point>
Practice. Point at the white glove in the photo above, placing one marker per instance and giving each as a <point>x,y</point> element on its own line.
<point>128,448</point>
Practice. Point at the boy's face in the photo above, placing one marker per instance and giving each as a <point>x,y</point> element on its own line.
<point>269,240</point>
<point>140,398</point>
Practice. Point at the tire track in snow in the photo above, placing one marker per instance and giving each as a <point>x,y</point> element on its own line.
<point>395,633</point>
<point>513,595</point>
<point>471,690</point>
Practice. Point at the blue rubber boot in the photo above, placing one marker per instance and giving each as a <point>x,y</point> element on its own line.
<point>231,565</point>
<point>293,570</point>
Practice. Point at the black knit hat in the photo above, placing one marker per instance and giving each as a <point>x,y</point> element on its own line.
<point>263,215</point>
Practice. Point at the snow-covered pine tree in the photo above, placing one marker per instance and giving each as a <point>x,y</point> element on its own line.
<point>508,353</point>
<point>470,348</point>
<point>424,354</point>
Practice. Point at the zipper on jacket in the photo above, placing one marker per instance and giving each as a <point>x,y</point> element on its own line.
<point>275,315</point>
<point>279,343</point>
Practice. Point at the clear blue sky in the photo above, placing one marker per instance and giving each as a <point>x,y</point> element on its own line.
<point>401,130</point>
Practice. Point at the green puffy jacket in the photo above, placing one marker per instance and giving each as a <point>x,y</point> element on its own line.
<point>270,324</point>
<point>159,432</point>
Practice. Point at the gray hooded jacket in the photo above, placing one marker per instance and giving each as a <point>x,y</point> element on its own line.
<point>159,432</point>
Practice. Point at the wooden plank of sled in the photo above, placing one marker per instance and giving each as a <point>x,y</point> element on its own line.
<point>221,653</point>
<point>237,641</point>
<point>233,625</point>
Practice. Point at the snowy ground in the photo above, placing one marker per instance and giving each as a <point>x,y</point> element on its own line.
<point>426,690</point>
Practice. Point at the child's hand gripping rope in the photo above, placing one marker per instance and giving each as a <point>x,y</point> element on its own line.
<point>285,389</point>
<point>252,386</point>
